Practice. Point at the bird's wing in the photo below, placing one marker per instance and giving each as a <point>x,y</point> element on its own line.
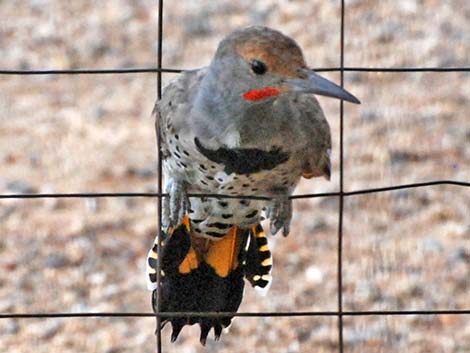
<point>159,132</point>
<point>172,111</point>
<point>317,137</point>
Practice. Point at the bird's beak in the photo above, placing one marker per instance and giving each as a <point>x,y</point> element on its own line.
<point>314,83</point>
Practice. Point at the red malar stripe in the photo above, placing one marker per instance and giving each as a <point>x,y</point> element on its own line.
<point>257,94</point>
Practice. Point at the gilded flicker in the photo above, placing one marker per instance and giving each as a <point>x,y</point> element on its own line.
<point>247,124</point>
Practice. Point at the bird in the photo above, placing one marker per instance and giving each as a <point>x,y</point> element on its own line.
<point>246,124</point>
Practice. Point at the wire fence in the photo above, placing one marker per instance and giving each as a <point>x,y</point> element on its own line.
<point>340,313</point>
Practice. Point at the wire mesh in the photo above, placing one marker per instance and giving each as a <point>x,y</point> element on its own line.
<point>341,195</point>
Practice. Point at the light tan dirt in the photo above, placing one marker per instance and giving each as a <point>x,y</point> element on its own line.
<point>402,250</point>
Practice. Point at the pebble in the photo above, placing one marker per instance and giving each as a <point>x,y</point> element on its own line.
<point>55,260</point>
<point>317,225</point>
<point>433,246</point>
<point>6,305</point>
<point>459,254</point>
<point>20,187</point>
<point>314,274</point>
<point>294,347</point>
<point>45,329</point>
<point>142,172</point>
<point>11,327</point>
<point>92,204</point>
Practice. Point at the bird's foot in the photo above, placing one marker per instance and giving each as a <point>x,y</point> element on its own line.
<point>280,214</point>
<point>176,205</point>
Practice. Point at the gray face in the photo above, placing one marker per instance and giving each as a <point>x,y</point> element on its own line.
<point>256,64</point>
<point>254,59</point>
<point>225,96</point>
<point>236,76</point>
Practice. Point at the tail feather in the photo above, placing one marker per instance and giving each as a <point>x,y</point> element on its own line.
<point>200,275</point>
<point>151,267</point>
<point>222,255</point>
<point>258,259</point>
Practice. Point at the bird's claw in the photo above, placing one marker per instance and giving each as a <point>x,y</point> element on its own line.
<point>280,214</point>
<point>176,205</point>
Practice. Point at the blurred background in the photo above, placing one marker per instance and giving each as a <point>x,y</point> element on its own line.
<point>403,250</point>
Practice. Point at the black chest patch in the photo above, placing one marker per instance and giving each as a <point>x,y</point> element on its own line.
<point>244,160</point>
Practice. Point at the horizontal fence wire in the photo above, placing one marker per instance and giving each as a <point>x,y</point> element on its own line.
<point>171,70</point>
<point>239,314</point>
<point>222,196</point>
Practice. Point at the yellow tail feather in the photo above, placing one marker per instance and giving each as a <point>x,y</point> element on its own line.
<point>223,254</point>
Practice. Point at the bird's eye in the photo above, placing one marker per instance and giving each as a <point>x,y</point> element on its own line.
<point>258,67</point>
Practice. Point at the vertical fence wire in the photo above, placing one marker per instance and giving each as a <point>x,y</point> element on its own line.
<point>341,189</point>
<point>158,332</point>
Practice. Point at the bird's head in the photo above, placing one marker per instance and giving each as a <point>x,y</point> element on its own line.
<point>259,64</point>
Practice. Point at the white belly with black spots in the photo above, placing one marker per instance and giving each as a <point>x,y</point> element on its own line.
<point>212,217</point>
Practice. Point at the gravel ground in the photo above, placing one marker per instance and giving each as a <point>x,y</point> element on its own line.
<point>402,250</point>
